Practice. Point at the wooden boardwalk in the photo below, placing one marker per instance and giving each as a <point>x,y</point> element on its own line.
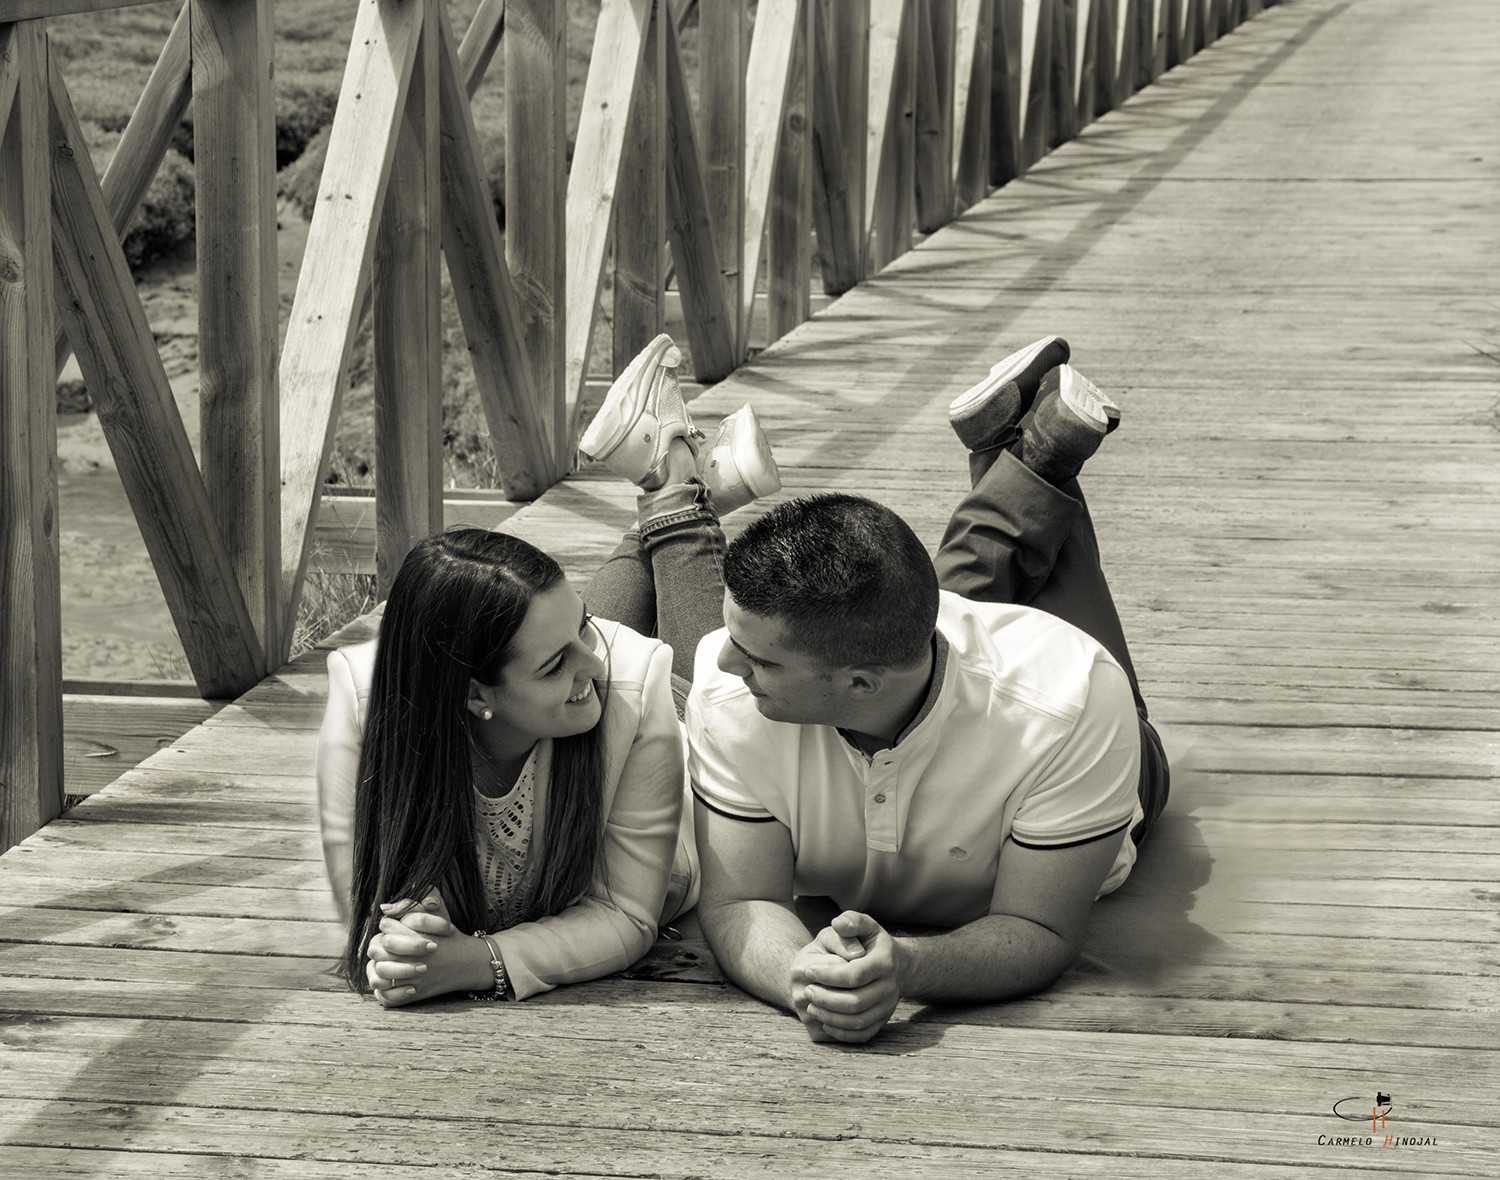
<point>1282,260</point>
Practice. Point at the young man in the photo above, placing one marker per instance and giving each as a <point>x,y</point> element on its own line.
<point>913,744</point>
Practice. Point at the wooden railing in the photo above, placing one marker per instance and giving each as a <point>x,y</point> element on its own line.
<point>863,121</point>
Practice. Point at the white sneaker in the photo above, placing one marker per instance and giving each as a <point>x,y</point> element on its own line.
<point>736,463</point>
<point>641,415</point>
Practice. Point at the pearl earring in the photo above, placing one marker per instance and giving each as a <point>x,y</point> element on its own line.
<point>486,714</point>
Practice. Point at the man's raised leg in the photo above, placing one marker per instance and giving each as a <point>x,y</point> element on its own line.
<point>1023,533</point>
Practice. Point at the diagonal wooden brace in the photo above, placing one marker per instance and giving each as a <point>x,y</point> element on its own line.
<point>331,288</point>
<point>98,302</point>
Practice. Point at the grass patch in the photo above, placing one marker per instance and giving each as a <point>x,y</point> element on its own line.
<point>330,601</point>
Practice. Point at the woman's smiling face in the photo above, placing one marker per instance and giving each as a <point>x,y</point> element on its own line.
<point>547,688</point>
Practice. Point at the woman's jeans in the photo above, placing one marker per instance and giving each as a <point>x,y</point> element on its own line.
<point>665,578</point>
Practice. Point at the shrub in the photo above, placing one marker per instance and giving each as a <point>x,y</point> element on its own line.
<point>298,181</point>
<point>167,217</point>
<point>302,111</point>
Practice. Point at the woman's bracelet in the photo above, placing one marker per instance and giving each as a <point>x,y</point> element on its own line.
<point>502,980</point>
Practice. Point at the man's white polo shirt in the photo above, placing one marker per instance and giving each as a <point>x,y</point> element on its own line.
<point>1029,732</point>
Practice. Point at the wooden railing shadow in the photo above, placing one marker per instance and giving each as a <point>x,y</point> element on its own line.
<point>860,124</point>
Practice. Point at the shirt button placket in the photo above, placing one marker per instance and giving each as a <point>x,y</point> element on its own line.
<point>880,810</point>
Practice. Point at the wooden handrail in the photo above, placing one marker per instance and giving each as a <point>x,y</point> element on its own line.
<point>867,119</point>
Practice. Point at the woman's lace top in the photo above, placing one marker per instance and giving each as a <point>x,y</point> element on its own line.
<point>506,867</point>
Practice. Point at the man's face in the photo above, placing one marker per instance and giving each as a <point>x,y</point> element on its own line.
<point>787,684</point>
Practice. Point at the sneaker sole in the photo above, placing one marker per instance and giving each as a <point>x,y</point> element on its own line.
<point>1010,368</point>
<point>600,448</point>
<point>1083,397</point>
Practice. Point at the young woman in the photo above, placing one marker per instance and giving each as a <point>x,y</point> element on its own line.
<point>501,774</point>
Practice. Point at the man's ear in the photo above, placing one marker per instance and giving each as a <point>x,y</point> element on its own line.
<point>863,680</point>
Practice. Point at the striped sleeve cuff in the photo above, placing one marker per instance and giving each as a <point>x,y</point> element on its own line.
<point>761,816</point>
<point>1067,843</point>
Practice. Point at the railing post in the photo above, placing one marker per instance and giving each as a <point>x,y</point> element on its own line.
<point>234,133</point>
<point>723,51</point>
<point>789,223</point>
<point>1007,155</point>
<point>847,23</point>
<point>536,194</point>
<point>31,753</point>
<point>1062,115</point>
<point>838,198</point>
<point>640,205</point>
<point>891,162</point>
<point>408,325</point>
<point>933,177</point>
<point>971,102</point>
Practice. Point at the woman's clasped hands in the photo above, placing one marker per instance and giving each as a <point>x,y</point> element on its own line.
<point>420,954</point>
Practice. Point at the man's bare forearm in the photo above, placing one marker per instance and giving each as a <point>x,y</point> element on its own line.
<point>999,957</point>
<point>754,943</point>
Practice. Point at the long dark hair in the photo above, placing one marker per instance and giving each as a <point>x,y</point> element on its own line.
<point>453,611</point>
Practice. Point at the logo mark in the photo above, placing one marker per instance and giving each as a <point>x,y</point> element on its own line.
<point>1353,1109</point>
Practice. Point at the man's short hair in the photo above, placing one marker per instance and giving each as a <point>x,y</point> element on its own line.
<point>846,577</point>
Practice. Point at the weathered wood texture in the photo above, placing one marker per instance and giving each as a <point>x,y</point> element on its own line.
<point>1298,520</point>
<point>31,754</point>
<point>234,128</point>
<point>335,271</point>
<point>408,301</point>
<point>536,192</point>
<point>640,206</point>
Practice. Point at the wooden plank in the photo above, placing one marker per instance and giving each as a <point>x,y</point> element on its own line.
<point>640,207</point>
<point>487,300</point>
<point>723,50</point>
<point>346,538</point>
<point>46,1163</point>
<point>104,736</point>
<point>110,1129</point>
<point>971,102</point>
<point>98,301</point>
<point>408,339</point>
<point>234,134</point>
<point>768,74</point>
<point>31,756</point>
<point>144,142</point>
<point>335,268</point>
<point>932,176</point>
<point>119,1060</point>
<point>789,219</point>
<point>619,41</point>
<point>536,186</point>
<point>710,320</point>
